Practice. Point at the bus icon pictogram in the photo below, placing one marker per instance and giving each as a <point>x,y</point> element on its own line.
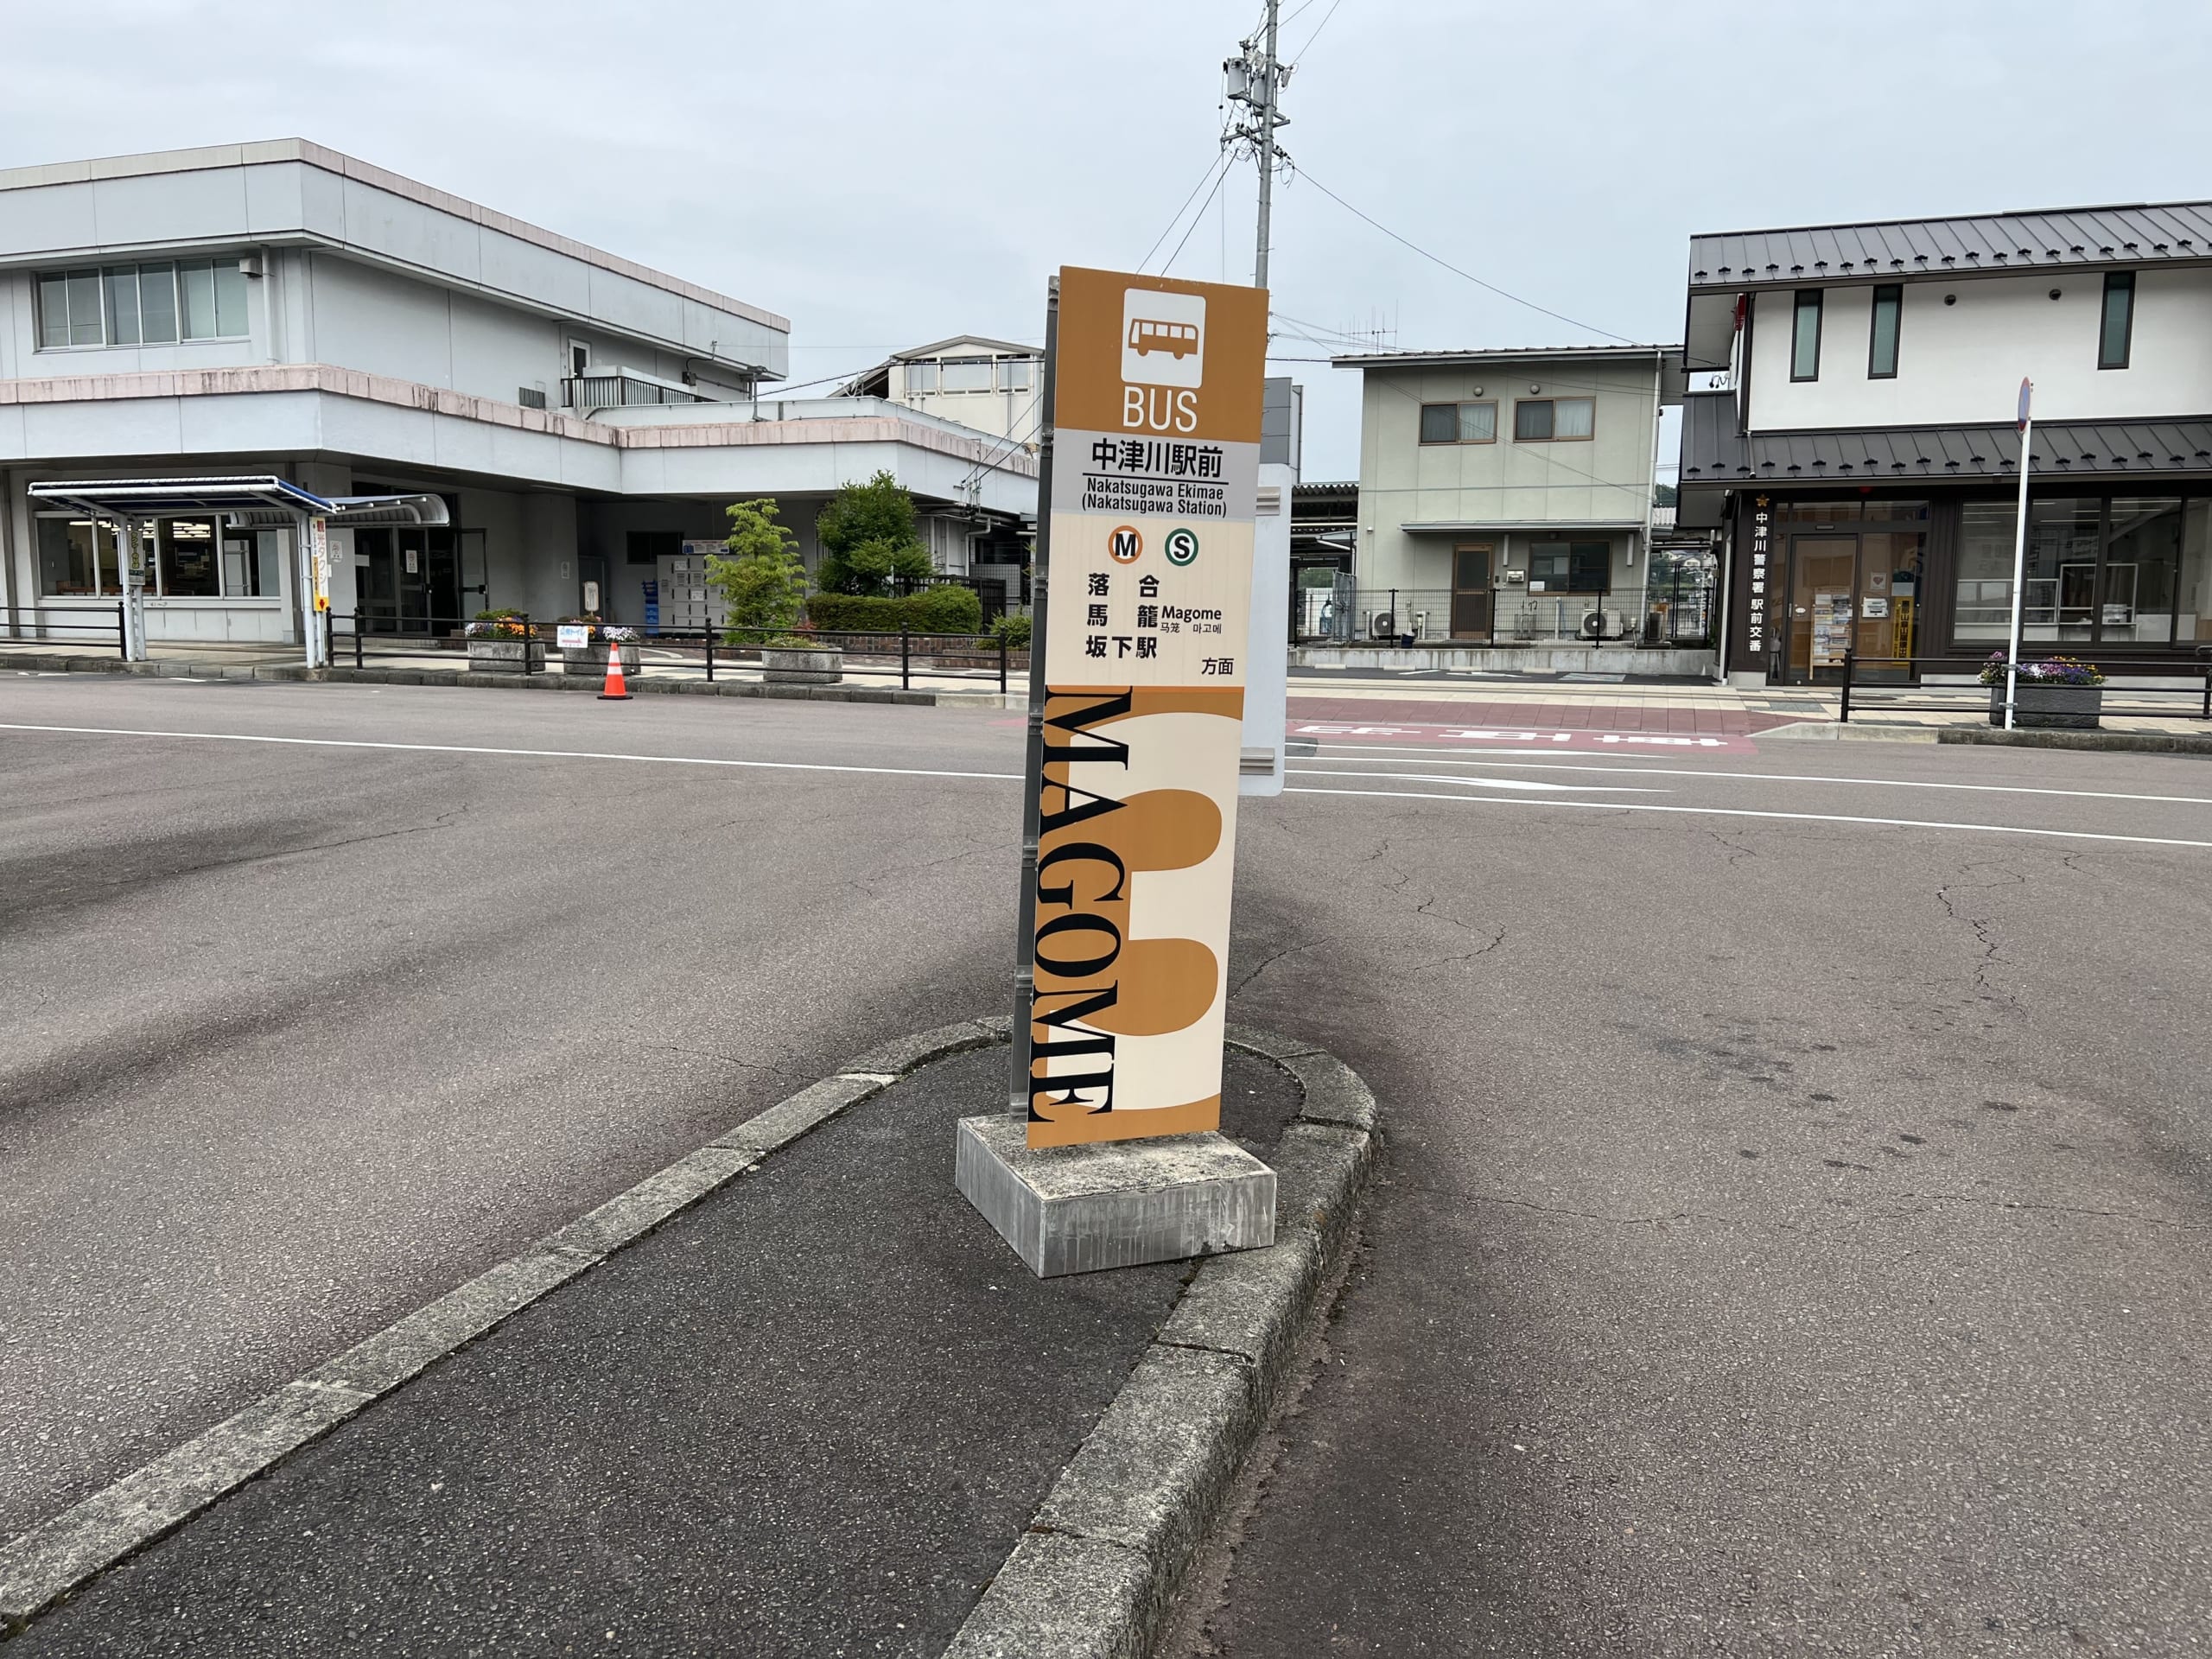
<point>1163,337</point>
<point>1148,335</point>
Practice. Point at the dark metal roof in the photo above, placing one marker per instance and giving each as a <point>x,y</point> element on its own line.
<point>2145,234</point>
<point>1716,454</point>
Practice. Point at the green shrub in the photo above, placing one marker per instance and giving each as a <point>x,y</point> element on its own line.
<point>933,610</point>
<point>857,612</point>
<point>762,582</point>
<point>1014,630</point>
<point>945,610</point>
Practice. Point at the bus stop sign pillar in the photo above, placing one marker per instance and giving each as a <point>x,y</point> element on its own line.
<point>130,572</point>
<point>312,535</point>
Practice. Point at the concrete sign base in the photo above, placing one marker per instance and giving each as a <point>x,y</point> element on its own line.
<point>1116,1204</point>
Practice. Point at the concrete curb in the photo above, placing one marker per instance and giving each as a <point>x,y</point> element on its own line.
<point>2138,742</point>
<point>42,1567</point>
<point>1097,1571</point>
<point>643,685</point>
<point>1829,731</point>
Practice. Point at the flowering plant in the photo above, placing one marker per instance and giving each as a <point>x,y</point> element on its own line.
<point>603,633</point>
<point>501,624</point>
<point>2056,670</point>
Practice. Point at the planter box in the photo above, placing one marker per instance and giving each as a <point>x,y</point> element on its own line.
<point>788,665</point>
<point>592,661</point>
<point>2060,708</point>
<point>506,655</point>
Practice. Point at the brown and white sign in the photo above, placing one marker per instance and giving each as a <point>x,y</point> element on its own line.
<point>1156,455</point>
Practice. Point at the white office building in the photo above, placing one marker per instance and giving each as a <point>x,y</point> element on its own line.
<point>281,310</point>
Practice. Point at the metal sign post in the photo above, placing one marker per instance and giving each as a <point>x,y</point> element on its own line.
<point>2019,557</point>
<point>1040,560</point>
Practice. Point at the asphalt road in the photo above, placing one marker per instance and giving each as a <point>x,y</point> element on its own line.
<point>1793,1236</point>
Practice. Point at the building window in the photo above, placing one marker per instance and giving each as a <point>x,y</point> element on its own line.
<point>186,548</point>
<point>185,558</point>
<point>76,558</point>
<point>967,374</point>
<point>1882,339</point>
<point>652,546</point>
<point>2115,335</point>
<point>1013,373</point>
<point>1805,337</point>
<point>1541,420</point>
<point>1570,568</point>
<point>1458,422</point>
<point>921,379</point>
<point>155,304</point>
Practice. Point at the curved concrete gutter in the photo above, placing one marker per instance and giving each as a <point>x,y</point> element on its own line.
<point>1097,1571</point>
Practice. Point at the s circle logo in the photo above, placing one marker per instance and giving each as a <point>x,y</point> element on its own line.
<point>1181,546</point>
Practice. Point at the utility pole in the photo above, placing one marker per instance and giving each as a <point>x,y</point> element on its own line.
<point>1256,80</point>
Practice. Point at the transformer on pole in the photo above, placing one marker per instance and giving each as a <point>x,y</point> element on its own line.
<point>1255,79</point>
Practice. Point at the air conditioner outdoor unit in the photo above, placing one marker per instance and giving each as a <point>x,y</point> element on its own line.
<point>1383,625</point>
<point>1604,625</point>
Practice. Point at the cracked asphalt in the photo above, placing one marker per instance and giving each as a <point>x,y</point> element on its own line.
<point>1792,1237</point>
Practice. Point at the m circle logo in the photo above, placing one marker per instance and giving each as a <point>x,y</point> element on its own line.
<point>1181,545</point>
<point>1125,545</point>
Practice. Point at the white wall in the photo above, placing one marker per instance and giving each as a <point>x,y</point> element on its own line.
<point>1605,480</point>
<point>1961,364</point>
<point>289,193</point>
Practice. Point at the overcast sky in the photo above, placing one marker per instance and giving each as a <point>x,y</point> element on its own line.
<point>889,174</point>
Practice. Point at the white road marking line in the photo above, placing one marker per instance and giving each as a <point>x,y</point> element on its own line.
<point>1622,766</point>
<point>538,755</point>
<point>1745,812</point>
<point>1529,784</point>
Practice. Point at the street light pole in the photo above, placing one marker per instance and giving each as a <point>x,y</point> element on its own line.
<point>2019,558</point>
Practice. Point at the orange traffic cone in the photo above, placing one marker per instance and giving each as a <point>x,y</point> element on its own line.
<point>616,689</point>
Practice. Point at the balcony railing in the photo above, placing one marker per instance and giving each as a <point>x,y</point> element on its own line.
<point>619,391</point>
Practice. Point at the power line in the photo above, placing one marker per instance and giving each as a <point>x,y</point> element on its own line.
<point>1217,161</point>
<point>1503,294</point>
<point>1318,27</point>
<point>1195,220</point>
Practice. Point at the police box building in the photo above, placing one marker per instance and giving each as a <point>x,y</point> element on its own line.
<point>281,310</point>
<point>1859,445</point>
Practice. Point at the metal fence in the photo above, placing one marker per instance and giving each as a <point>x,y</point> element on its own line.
<point>90,625</point>
<point>1894,685</point>
<point>362,638</point>
<point>1666,612</point>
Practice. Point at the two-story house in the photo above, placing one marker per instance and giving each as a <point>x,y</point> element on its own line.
<point>1505,497</point>
<point>1860,448</point>
<point>282,309</point>
<point>993,385</point>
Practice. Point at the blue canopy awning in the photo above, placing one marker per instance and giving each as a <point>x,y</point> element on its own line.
<point>265,499</point>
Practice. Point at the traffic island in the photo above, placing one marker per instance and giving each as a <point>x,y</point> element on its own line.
<point>787,1394</point>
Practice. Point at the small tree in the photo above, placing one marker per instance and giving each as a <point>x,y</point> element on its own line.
<point>867,538</point>
<point>762,582</point>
